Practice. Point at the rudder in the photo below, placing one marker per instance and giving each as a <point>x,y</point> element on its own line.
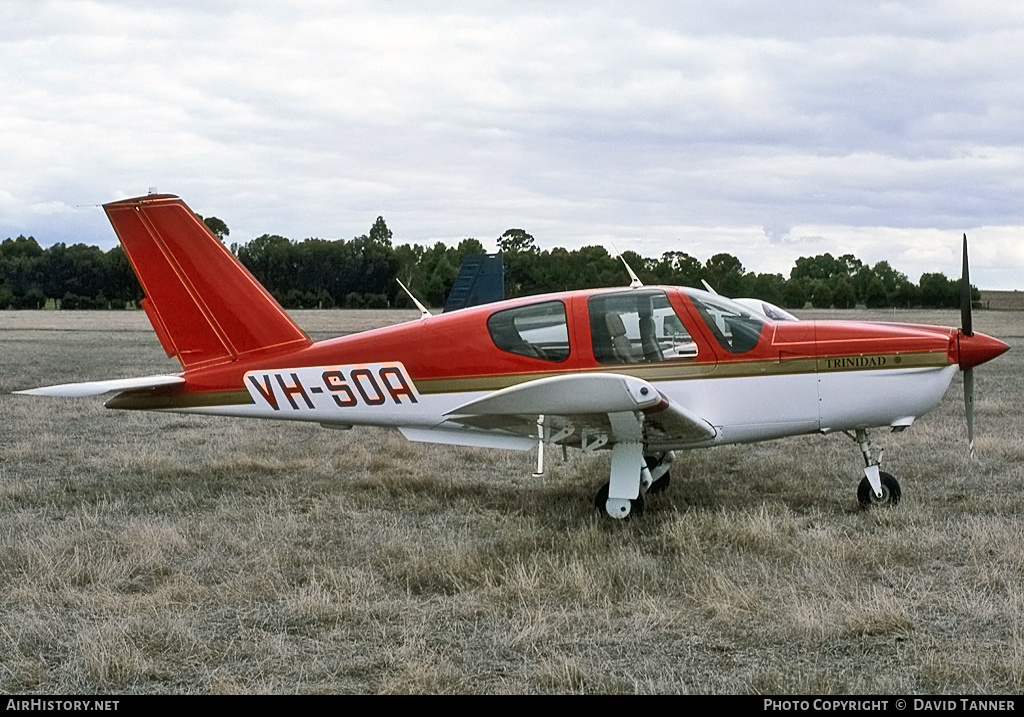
<point>205,307</point>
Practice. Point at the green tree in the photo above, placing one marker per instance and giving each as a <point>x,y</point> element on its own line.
<point>677,268</point>
<point>439,283</point>
<point>23,246</point>
<point>725,274</point>
<point>937,291</point>
<point>19,268</point>
<point>843,294</point>
<point>796,294</point>
<point>121,284</point>
<point>823,267</point>
<point>519,252</point>
<point>821,294</point>
<point>769,287</point>
<point>516,240</point>
<point>380,234</point>
<point>469,247</point>
<point>270,259</point>
<point>216,226</point>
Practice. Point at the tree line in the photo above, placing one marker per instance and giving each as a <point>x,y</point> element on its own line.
<point>361,273</point>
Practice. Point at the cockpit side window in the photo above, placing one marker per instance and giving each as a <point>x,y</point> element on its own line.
<point>538,331</point>
<point>734,326</point>
<point>637,327</point>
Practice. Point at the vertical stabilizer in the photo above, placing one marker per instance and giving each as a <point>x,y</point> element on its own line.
<point>205,307</point>
<point>481,280</point>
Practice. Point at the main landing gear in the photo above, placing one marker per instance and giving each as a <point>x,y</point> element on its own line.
<point>635,476</point>
<point>876,487</point>
<point>654,478</point>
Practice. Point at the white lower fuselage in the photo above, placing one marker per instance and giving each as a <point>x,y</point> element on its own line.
<point>741,409</point>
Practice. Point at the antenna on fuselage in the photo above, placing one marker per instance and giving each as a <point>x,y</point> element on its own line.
<point>634,280</point>
<point>424,311</point>
<point>710,289</point>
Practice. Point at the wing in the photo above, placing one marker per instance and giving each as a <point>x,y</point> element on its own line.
<point>98,388</point>
<point>576,406</point>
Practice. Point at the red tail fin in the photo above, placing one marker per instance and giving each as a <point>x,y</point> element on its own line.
<point>204,306</point>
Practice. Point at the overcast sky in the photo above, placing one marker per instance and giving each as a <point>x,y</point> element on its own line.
<point>768,130</point>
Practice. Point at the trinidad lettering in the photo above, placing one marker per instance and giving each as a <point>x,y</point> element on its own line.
<point>855,362</point>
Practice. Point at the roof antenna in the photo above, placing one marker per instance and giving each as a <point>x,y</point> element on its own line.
<point>424,311</point>
<point>711,289</point>
<point>634,282</point>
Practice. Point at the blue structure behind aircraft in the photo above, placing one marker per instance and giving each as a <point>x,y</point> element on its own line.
<point>481,280</point>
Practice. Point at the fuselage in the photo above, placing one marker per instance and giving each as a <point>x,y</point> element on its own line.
<point>750,377</point>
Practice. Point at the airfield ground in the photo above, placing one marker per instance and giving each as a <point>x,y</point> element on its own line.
<point>148,553</point>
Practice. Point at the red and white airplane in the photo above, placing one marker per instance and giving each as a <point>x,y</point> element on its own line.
<point>640,371</point>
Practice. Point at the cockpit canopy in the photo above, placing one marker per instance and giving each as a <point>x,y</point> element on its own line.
<point>626,327</point>
<point>735,327</point>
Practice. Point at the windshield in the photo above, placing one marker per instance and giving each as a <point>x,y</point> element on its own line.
<point>735,327</point>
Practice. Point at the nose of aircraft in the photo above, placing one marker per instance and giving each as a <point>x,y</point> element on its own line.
<point>976,349</point>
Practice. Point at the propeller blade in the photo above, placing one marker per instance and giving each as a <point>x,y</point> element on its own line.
<point>966,324</point>
<point>969,406</point>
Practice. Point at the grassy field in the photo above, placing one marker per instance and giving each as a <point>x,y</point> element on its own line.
<point>146,553</point>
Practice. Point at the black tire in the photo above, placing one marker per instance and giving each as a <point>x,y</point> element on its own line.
<point>890,492</point>
<point>661,485</point>
<point>636,505</point>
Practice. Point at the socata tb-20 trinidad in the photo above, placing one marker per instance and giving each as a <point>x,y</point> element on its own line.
<point>640,371</point>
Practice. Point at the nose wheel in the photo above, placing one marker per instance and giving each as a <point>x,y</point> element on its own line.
<point>876,487</point>
<point>890,491</point>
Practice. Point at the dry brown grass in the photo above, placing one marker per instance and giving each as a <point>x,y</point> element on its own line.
<point>163,553</point>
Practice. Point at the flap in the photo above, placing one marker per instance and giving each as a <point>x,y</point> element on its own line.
<point>568,394</point>
<point>584,403</point>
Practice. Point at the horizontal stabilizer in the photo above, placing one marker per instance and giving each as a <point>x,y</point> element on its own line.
<point>98,388</point>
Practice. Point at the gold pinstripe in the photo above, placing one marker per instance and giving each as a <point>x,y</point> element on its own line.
<point>688,371</point>
<point>672,371</point>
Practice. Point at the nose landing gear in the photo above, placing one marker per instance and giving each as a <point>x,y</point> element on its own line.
<point>876,487</point>
<point>890,496</point>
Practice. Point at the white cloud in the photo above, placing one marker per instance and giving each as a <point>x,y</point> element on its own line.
<point>653,123</point>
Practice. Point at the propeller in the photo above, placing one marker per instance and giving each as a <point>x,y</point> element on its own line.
<point>966,325</point>
<point>967,329</point>
<point>972,349</point>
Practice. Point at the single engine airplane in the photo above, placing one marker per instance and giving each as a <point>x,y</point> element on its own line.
<point>641,371</point>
